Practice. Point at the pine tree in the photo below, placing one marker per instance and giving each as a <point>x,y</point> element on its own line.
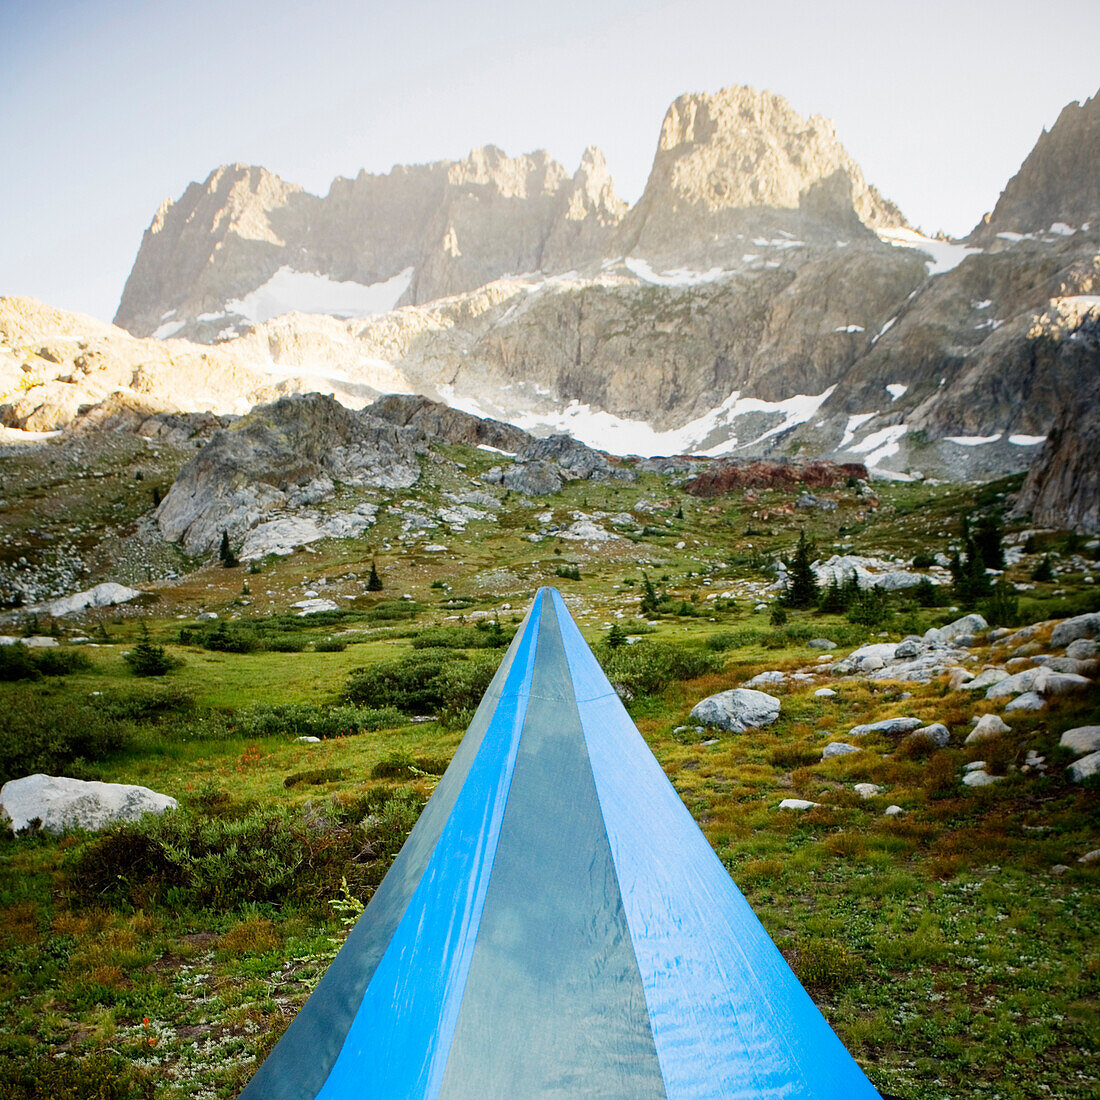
<point>650,600</point>
<point>374,581</point>
<point>147,659</point>
<point>225,552</point>
<point>801,580</point>
<point>615,637</point>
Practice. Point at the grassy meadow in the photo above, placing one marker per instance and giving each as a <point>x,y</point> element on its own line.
<point>953,946</point>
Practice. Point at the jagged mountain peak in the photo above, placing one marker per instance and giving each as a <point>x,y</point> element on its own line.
<point>740,161</point>
<point>1058,183</point>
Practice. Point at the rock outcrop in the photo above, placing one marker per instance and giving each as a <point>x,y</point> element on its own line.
<point>283,456</point>
<point>1057,185</point>
<point>1062,489</point>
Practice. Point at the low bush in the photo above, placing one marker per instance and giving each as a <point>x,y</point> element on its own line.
<point>149,659</point>
<point>46,731</point>
<point>315,776</point>
<point>330,645</point>
<point>427,681</point>
<point>488,634</point>
<point>104,1075</point>
<point>19,662</point>
<point>186,859</point>
<point>311,720</point>
<point>825,964</point>
<point>648,668</point>
<point>401,765</point>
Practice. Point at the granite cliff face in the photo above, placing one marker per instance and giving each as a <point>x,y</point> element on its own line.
<point>236,248</point>
<point>1057,185</point>
<point>741,164</point>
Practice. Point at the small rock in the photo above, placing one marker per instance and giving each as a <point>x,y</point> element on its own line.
<point>1090,857</point>
<point>837,748</point>
<point>1085,768</point>
<point>986,678</point>
<point>1030,700</point>
<point>892,811</point>
<point>308,740</point>
<point>867,790</point>
<point>988,728</point>
<point>980,779</point>
<point>821,643</point>
<point>824,693</point>
<point>936,733</point>
<point>206,616</point>
<point>1082,739</point>
<point>975,766</point>
<point>959,676</point>
<point>887,725</point>
<point>796,804</point>
<point>772,677</point>
<point>1059,869</point>
<point>908,649</point>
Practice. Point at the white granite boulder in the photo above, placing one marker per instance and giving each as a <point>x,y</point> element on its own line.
<point>60,803</point>
<point>988,727</point>
<point>1030,700</point>
<point>1080,626</point>
<point>838,748</point>
<point>934,734</point>
<point>1082,740</point>
<point>887,725</point>
<point>797,804</point>
<point>736,710</point>
<point>1085,768</point>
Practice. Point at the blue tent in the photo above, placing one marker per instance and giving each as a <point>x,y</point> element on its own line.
<point>557,926</point>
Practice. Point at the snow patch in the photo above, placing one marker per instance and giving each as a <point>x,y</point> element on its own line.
<point>972,440</point>
<point>881,444</point>
<point>849,328</point>
<point>1060,229</point>
<point>1027,440</point>
<point>896,390</point>
<point>289,291</point>
<point>679,277</point>
<point>850,428</point>
<point>883,331</point>
<point>943,255</point>
<point>168,329</point>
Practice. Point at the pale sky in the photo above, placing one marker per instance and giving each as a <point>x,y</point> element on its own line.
<point>107,107</point>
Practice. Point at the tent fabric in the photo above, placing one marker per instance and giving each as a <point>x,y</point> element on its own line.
<point>557,926</point>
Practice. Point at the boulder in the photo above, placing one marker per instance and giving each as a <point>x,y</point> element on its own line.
<point>867,790</point>
<point>838,748</point>
<point>1069,630</point>
<point>61,803</point>
<point>968,624</point>
<point>985,679</point>
<point>314,606</point>
<point>796,804</point>
<point>821,643</point>
<point>1030,700</point>
<point>534,479</point>
<point>988,727</point>
<point>936,734</point>
<point>980,778</point>
<point>1081,740</point>
<point>887,725</point>
<point>1085,768</point>
<point>824,693</point>
<point>892,811</point>
<point>772,677</point>
<point>737,710</point>
<point>102,595</point>
<point>958,676</point>
<point>1083,649</point>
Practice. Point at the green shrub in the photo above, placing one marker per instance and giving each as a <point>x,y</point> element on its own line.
<point>923,560</point>
<point>330,645</point>
<point>487,634</point>
<point>394,611</point>
<point>1002,608</point>
<point>311,720</point>
<point>825,964</point>
<point>19,662</point>
<point>315,776</point>
<point>568,572</point>
<point>724,640</point>
<point>186,859</point>
<point>1044,571</point>
<point>648,668</point>
<point>778,615</point>
<point>870,608</point>
<point>427,681</point>
<point>44,731</point>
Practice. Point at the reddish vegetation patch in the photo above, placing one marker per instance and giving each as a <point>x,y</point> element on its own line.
<point>725,477</point>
